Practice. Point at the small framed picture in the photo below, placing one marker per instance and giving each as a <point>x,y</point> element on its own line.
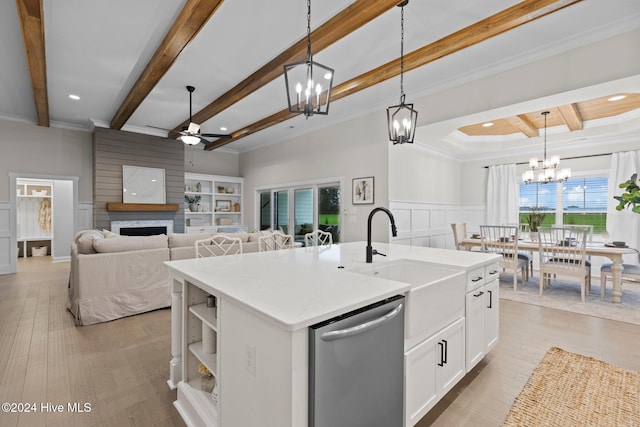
<point>223,205</point>
<point>363,190</point>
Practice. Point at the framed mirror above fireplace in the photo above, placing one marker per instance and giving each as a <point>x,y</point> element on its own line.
<point>143,185</point>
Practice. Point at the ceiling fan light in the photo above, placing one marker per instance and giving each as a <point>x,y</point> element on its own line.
<point>190,139</point>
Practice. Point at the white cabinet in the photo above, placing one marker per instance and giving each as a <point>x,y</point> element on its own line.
<point>200,324</point>
<point>213,202</point>
<point>34,213</point>
<point>432,368</point>
<point>482,313</point>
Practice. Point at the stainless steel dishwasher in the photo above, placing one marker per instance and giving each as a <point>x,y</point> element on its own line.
<point>356,368</point>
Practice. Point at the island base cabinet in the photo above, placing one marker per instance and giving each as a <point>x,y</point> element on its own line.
<point>432,368</point>
<point>482,313</point>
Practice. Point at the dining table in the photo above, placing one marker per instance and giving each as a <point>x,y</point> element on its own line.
<point>608,250</point>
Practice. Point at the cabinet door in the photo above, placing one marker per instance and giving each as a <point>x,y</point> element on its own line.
<point>451,344</point>
<point>491,315</point>
<point>475,328</point>
<point>420,382</point>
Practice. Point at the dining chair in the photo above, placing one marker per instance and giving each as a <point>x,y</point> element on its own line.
<point>503,240</point>
<point>318,238</point>
<point>275,241</point>
<point>563,252</point>
<point>523,230</point>
<point>218,245</point>
<point>630,274</point>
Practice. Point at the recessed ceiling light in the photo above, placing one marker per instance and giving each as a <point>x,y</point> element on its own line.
<point>223,128</point>
<point>74,97</point>
<point>487,125</point>
<point>617,98</point>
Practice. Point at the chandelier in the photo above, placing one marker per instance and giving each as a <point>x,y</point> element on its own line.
<point>304,81</point>
<point>548,166</point>
<point>402,119</point>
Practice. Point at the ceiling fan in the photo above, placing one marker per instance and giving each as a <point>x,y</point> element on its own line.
<point>191,135</point>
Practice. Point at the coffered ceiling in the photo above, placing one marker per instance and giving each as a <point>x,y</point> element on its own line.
<point>129,61</point>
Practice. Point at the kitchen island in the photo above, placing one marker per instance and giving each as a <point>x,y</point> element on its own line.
<point>265,303</point>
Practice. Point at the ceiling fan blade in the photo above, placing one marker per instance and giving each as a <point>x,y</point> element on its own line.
<point>217,135</point>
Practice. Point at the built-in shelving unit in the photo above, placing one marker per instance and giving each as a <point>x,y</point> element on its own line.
<point>200,320</point>
<point>34,213</point>
<point>218,203</point>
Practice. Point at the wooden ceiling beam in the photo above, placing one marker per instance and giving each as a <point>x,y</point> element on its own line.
<point>571,116</point>
<point>342,24</point>
<point>32,25</point>
<point>524,125</point>
<point>508,19</point>
<point>191,19</point>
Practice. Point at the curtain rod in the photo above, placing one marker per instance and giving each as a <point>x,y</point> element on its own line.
<point>564,158</point>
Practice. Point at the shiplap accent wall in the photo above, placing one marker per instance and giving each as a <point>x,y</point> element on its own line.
<point>429,224</point>
<point>112,149</point>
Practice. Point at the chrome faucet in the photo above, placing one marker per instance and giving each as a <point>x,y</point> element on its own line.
<point>394,232</point>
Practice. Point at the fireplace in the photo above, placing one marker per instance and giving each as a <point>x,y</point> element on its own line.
<point>142,228</point>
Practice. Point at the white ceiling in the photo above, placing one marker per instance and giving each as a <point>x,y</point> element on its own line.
<point>97,49</point>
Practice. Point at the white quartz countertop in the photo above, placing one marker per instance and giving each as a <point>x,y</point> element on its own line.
<point>296,288</point>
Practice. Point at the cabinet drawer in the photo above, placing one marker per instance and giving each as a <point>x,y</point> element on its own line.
<point>491,272</point>
<point>475,278</point>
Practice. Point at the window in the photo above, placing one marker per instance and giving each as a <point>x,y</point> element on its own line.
<point>301,209</point>
<point>577,201</point>
<point>584,202</point>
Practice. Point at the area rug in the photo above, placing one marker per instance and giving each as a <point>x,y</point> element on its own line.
<point>568,389</point>
<point>565,295</point>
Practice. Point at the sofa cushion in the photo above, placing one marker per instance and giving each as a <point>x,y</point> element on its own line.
<point>179,240</point>
<point>130,243</point>
<point>242,235</point>
<point>256,235</point>
<point>84,241</point>
<point>109,234</point>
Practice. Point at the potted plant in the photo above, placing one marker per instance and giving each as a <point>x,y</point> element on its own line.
<point>193,202</point>
<point>631,196</point>
<point>534,220</point>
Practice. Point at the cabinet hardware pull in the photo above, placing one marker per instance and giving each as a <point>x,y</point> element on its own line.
<point>442,362</point>
<point>493,272</point>
<point>359,329</point>
<point>445,351</point>
<point>475,279</point>
<point>478,294</point>
<point>490,299</point>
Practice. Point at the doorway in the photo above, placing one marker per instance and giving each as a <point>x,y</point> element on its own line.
<point>59,204</point>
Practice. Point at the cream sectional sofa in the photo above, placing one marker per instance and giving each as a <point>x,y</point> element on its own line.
<point>114,276</point>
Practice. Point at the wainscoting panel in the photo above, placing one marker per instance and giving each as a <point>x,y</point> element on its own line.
<point>429,224</point>
<point>8,252</point>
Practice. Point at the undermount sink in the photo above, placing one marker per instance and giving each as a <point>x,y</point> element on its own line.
<point>435,300</point>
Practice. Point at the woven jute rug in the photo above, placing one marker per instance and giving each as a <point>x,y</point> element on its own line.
<point>568,389</point>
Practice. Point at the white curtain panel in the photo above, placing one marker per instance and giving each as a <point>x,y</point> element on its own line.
<point>502,195</point>
<point>623,225</point>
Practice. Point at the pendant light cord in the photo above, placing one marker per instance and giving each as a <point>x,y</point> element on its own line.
<point>309,30</point>
<point>544,160</point>
<point>402,54</point>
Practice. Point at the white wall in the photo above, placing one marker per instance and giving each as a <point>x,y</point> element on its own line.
<point>216,162</point>
<point>356,148</point>
<point>64,205</point>
<point>30,149</point>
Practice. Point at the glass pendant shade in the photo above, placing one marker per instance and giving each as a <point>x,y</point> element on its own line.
<point>308,87</point>
<point>189,139</point>
<point>401,121</point>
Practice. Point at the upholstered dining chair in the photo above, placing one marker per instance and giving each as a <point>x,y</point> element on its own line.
<point>218,245</point>
<point>318,238</point>
<point>523,230</point>
<point>503,240</point>
<point>275,241</point>
<point>459,233</point>
<point>630,274</point>
<point>562,252</point>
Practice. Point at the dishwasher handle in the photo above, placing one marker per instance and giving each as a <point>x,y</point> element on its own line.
<point>363,327</point>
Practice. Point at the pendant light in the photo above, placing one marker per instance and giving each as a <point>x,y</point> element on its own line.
<point>308,83</point>
<point>402,119</point>
<point>548,166</point>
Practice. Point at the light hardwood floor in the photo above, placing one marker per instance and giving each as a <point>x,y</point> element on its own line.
<point>120,368</point>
